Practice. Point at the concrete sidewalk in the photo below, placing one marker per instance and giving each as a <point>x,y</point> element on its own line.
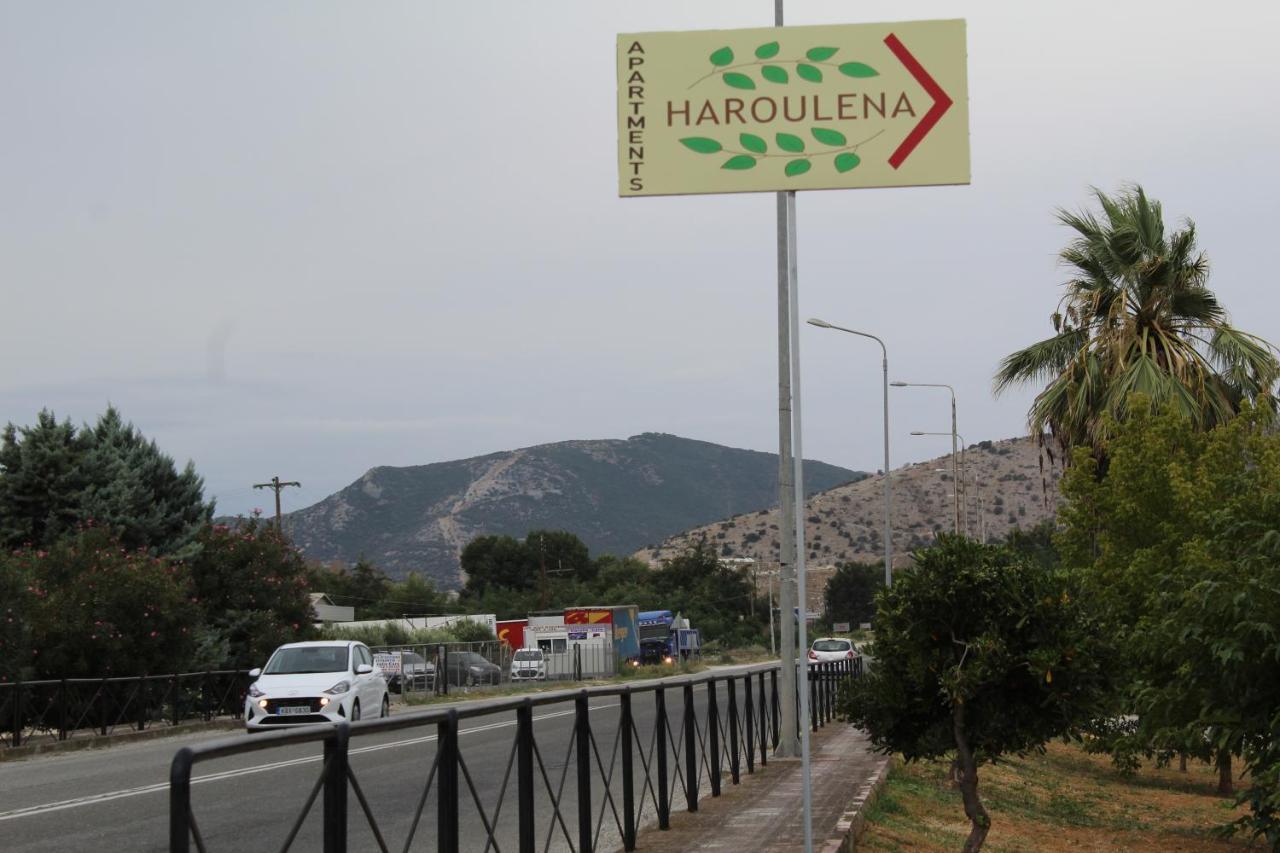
<point>763,814</point>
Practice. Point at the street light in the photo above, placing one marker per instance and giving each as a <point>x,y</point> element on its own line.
<point>888,500</point>
<point>954,461</point>
<point>965,472</point>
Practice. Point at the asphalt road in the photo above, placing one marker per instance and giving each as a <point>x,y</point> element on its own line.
<point>117,799</point>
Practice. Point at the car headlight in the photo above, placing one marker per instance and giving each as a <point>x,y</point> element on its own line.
<point>340,687</point>
<point>667,659</point>
<point>254,691</point>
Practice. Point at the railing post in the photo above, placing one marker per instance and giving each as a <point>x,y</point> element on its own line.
<point>180,801</point>
<point>713,736</point>
<point>447,798</point>
<point>748,704</point>
<point>583,730</point>
<point>62,710</point>
<point>691,769</point>
<point>764,725</point>
<point>814,704</point>
<point>524,775</point>
<point>102,707</point>
<point>17,714</point>
<point>335,789</point>
<point>735,767</point>
<point>773,689</point>
<point>204,696</point>
<point>142,702</point>
<point>823,689</point>
<point>175,684</point>
<point>660,733</point>
<point>628,776</point>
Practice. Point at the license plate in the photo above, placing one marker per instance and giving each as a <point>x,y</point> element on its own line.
<point>293,709</point>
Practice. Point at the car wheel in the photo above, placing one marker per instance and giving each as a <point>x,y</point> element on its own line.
<point>355,710</point>
<point>386,706</point>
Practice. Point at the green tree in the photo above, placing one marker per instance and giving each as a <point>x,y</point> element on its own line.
<point>850,594</point>
<point>715,598</point>
<point>1137,316</point>
<point>252,585</point>
<point>1180,544</point>
<point>103,610</point>
<point>41,480</point>
<point>55,479</point>
<point>135,490</point>
<point>978,654</point>
<point>497,561</point>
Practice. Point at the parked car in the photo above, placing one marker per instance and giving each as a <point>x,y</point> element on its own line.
<point>529,664</point>
<point>315,682</point>
<point>827,649</point>
<point>417,674</point>
<point>468,668</point>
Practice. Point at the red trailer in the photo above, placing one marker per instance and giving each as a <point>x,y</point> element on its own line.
<point>511,632</point>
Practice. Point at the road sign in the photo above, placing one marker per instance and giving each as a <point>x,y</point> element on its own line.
<point>840,627</point>
<point>794,108</point>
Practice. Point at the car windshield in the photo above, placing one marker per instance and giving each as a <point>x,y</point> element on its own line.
<point>410,657</point>
<point>533,655</point>
<point>831,645</point>
<point>300,659</point>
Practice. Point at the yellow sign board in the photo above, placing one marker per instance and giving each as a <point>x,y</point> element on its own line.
<point>793,108</point>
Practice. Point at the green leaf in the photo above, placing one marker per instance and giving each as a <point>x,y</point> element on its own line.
<point>742,161</point>
<point>809,72</point>
<point>858,69</point>
<point>701,144</point>
<point>788,142</point>
<point>723,56</point>
<point>821,54</point>
<point>767,51</point>
<point>847,161</point>
<point>797,167</point>
<point>827,136</point>
<point>774,74</point>
<point>751,142</point>
<point>739,81</point>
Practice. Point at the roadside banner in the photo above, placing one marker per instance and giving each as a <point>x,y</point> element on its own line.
<point>793,108</point>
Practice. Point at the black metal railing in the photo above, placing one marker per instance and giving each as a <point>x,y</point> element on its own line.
<point>52,710</point>
<point>646,767</point>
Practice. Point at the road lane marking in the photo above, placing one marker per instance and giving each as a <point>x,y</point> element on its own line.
<point>109,796</point>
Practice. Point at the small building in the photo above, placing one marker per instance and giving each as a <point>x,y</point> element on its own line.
<point>324,610</point>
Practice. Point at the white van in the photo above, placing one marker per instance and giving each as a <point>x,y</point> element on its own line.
<point>529,665</point>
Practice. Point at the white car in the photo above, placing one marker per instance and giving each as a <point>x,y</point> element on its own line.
<point>529,664</point>
<point>316,682</point>
<point>827,649</point>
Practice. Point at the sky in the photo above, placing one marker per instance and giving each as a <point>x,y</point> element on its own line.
<point>306,239</point>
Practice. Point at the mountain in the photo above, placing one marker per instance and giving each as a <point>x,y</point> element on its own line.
<point>616,495</point>
<point>847,522</point>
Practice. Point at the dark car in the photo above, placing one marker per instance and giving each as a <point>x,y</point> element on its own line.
<point>468,668</point>
<point>417,674</point>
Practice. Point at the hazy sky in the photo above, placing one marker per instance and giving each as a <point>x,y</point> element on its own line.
<point>310,238</point>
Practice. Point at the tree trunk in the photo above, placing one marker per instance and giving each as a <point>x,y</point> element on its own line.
<point>1225,787</point>
<point>1182,762</point>
<point>967,772</point>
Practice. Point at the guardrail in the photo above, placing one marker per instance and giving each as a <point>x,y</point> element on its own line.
<point>53,710</point>
<point>670,763</point>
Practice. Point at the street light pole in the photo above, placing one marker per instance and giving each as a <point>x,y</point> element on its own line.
<point>888,491</point>
<point>964,474</point>
<point>955,463</point>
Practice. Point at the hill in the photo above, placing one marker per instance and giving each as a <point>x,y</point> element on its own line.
<point>616,495</point>
<point>847,522</point>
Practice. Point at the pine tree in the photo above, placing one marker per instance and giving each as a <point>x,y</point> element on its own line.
<point>41,480</point>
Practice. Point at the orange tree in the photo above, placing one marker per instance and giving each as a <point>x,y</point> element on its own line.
<point>979,653</point>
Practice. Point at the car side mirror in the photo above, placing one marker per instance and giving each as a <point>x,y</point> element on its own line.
<point>255,672</point>
<point>363,669</point>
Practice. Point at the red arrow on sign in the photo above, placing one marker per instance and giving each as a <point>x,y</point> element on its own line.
<point>941,101</point>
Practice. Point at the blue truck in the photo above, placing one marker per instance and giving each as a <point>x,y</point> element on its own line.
<point>666,637</point>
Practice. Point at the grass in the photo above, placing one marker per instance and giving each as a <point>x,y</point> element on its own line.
<point>1063,800</point>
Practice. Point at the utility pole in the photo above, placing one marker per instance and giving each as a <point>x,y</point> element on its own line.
<point>275,485</point>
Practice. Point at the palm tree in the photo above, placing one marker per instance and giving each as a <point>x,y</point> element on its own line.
<point>1136,318</point>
